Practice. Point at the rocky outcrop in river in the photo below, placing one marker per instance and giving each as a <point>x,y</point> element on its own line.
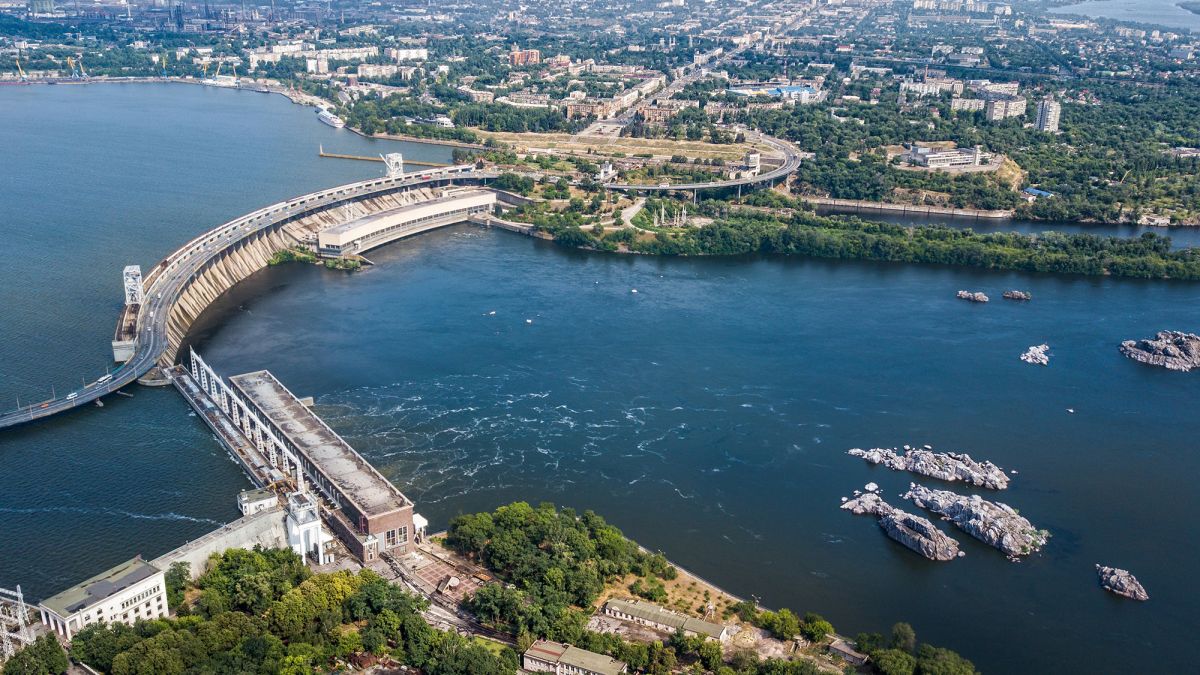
<point>947,466</point>
<point>1017,295</point>
<point>915,532</point>
<point>990,522</point>
<point>1121,582</point>
<point>977,296</point>
<point>1037,355</point>
<point>1171,349</point>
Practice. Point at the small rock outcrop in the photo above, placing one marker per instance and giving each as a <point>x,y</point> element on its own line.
<point>977,296</point>
<point>947,466</point>
<point>914,532</point>
<point>1037,355</point>
<point>1171,349</point>
<point>990,522</point>
<point>1017,295</point>
<point>1121,582</point>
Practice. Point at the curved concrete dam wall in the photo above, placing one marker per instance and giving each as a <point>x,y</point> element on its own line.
<point>296,222</point>
<point>223,272</point>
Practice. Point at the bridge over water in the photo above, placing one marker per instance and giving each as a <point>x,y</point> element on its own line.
<point>178,288</point>
<point>347,219</point>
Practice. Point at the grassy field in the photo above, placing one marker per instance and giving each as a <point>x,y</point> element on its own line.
<point>661,148</point>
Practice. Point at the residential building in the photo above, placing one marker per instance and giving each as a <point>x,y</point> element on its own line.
<point>1048,113</point>
<point>524,57</point>
<point>544,656</point>
<point>648,614</point>
<point>1001,108</point>
<point>967,104</point>
<point>133,590</point>
<point>398,54</point>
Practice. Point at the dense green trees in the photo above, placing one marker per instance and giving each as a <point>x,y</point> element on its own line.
<point>262,611</point>
<point>741,231</point>
<point>900,654</point>
<point>43,657</point>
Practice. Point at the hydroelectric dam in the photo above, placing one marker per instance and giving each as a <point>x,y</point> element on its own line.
<point>342,221</point>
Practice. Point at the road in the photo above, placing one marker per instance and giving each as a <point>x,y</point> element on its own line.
<point>791,162</point>
<point>171,276</point>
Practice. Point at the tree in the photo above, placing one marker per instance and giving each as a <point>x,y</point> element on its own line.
<point>177,577</point>
<point>787,625</point>
<point>903,637</point>
<point>710,654</point>
<point>43,656</point>
<point>894,662</point>
<point>939,661</point>
<point>815,627</point>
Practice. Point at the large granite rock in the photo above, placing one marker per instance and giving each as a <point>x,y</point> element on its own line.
<point>1171,349</point>
<point>1017,295</point>
<point>990,522</point>
<point>1038,355</point>
<point>947,466</point>
<point>915,532</point>
<point>1121,582</point>
<point>977,296</point>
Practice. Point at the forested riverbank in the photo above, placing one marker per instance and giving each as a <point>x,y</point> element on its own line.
<point>742,231</point>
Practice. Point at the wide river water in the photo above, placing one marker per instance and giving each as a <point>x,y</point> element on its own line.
<point>707,415</point>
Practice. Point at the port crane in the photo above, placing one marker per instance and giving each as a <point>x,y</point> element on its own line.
<point>21,72</point>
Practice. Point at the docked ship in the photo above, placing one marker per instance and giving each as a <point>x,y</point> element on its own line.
<point>330,119</point>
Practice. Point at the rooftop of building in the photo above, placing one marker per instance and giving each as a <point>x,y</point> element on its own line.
<point>359,482</point>
<point>100,587</point>
<point>650,612</point>
<point>556,652</point>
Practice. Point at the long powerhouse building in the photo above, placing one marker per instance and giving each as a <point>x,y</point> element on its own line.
<point>375,516</point>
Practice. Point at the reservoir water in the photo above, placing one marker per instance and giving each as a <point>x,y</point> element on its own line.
<point>1156,12</point>
<point>707,415</point>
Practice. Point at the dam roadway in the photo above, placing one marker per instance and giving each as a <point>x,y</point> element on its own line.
<point>157,340</point>
<point>179,287</point>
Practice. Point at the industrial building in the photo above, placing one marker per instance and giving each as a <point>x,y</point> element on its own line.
<point>372,515</point>
<point>544,656</point>
<point>362,234</point>
<point>935,158</point>
<point>649,614</point>
<point>131,591</point>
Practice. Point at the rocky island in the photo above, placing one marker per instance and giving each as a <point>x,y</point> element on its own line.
<point>977,296</point>
<point>1017,295</point>
<point>1121,582</point>
<point>990,522</point>
<point>1037,355</point>
<point>915,532</point>
<point>1171,349</point>
<point>947,466</point>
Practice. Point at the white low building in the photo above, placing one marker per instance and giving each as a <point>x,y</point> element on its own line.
<point>659,618</point>
<point>133,590</point>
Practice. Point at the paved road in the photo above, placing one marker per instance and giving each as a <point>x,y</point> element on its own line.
<point>172,275</point>
<point>791,162</point>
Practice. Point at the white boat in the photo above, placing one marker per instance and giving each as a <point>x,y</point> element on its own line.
<point>330,119</point>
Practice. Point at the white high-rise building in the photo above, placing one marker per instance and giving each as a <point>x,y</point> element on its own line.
<point>1048,114</point>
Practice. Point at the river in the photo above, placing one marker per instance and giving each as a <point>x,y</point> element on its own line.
<point>1156,12</point>
<point>707,415</point>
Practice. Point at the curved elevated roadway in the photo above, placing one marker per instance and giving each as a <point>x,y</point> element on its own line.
<point>791,162</point>
<point>168,279</point>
